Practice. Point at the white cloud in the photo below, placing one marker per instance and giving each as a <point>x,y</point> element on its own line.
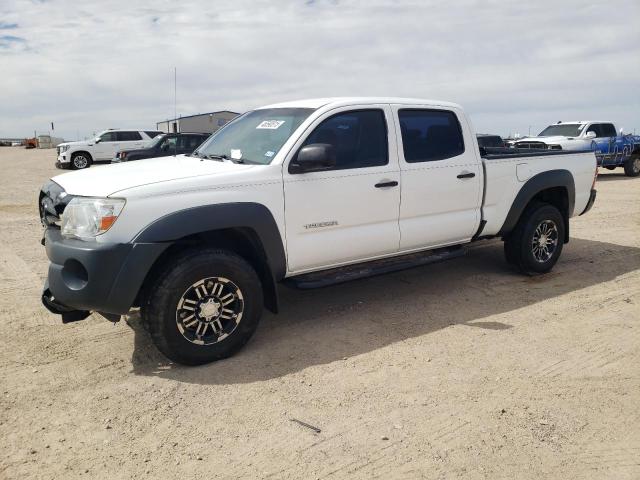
<point>93,65</point>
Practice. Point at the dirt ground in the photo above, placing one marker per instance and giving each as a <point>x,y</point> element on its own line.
<point>463,369</point>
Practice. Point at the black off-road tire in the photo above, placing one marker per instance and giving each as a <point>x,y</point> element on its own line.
<point>160,307</point>
<point>80,161</point>
<point>519,247</point>
<point>632,166</point>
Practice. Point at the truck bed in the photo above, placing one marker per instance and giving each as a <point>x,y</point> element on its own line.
<point>501,165</point>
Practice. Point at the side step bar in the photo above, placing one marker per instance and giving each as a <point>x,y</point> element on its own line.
<point>369,269</point>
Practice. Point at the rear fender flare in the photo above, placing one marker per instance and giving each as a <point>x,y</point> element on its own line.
<point>532,187</point>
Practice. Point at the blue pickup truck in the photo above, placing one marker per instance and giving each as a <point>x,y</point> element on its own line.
<point>620,151</point>
<point>612,148</point>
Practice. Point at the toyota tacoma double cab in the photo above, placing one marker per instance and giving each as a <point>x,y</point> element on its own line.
<point>310,193</point>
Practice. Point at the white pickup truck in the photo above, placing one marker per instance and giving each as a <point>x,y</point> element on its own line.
<point>575,136</point>
<point>311,192</point>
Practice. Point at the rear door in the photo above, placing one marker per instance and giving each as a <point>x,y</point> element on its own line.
<point>348,213</point>
<point>441,177</point>
<point>130,140</point>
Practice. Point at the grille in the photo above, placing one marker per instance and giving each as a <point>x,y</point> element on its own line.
<point>51,203</point>
<point>532,145</point>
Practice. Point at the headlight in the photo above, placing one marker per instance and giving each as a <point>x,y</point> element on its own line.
<point>86,217</point>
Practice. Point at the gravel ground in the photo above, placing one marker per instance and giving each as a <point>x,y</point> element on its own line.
<point>463,369</point>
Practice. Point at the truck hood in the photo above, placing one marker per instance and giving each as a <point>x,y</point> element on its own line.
<point>102,181</point>
<point>80,143</point>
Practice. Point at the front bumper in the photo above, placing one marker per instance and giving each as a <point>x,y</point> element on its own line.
<point>63,160</point>
<point>592,200</point>
<point>92,276</point>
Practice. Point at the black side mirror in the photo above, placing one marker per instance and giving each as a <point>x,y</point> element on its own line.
<point>314,158</point>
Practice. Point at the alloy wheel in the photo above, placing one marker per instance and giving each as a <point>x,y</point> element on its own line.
<point>209,310</point>
<point>544,241</point>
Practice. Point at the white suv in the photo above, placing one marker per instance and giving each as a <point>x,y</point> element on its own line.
<point>82,154</point>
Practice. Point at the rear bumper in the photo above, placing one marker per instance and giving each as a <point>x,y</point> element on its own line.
<point>92,276</point>
<point>592,199</point>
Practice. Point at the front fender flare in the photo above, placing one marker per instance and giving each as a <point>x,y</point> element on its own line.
<point>183,223</point>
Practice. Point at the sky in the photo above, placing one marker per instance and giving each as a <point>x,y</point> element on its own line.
<point>514,66</point>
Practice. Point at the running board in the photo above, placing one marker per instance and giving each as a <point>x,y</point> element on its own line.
<point>347,273</point>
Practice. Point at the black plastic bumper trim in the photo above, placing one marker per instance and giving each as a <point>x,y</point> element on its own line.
<point>114,273</point>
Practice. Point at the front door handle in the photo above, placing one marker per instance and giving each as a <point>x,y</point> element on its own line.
<point>386,184</point>
<point>466,175</point>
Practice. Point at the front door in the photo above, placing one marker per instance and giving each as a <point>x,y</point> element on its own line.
<point>350,212</point>
<point>106,148</point>
<point>441,177</point>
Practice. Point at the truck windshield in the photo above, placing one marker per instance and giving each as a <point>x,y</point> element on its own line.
<point>156,140</point>
<point>563,130</point>
<point>256,136</point>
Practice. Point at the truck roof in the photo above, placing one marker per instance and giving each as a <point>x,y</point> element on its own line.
<point>344,101</point>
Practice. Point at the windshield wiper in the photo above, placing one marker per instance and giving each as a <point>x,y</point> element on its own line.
<point>215,156</point>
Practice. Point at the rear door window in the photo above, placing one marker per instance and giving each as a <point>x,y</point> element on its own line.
<point>128,136</point>
<point>429,135</point>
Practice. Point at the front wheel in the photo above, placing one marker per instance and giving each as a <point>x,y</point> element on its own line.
<point>535,244</point>
<point>203,307</point>
<point>632,166</point>
<point>80,160</point>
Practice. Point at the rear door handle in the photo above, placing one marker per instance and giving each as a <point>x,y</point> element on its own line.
<point>466,175</point>
<point>386,184</point>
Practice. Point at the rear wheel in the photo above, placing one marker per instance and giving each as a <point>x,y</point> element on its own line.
<point>632,166</point>
<point>80,160</point>
<point>536,242</point>
<point>204,306</point>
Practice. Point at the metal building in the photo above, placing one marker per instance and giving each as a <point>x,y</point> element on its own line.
<point>200,123</point>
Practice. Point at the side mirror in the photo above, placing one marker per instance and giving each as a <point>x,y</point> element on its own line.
<point>97,140</point>
<point>314,158</point>
<point>590,134</point>
<point>622,131</point>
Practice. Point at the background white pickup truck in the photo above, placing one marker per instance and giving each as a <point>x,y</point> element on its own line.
<point>312,192</point>
<point>575,136</point>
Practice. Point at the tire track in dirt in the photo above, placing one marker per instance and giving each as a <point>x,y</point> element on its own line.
<point>593,358</point>
<point>21,286</point>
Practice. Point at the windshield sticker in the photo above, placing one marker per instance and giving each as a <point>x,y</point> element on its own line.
<point>269,154</point>
<point>236,154</point>
<point>270,124</point>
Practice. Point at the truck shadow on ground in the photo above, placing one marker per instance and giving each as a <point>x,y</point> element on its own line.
<point>326,325</point>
